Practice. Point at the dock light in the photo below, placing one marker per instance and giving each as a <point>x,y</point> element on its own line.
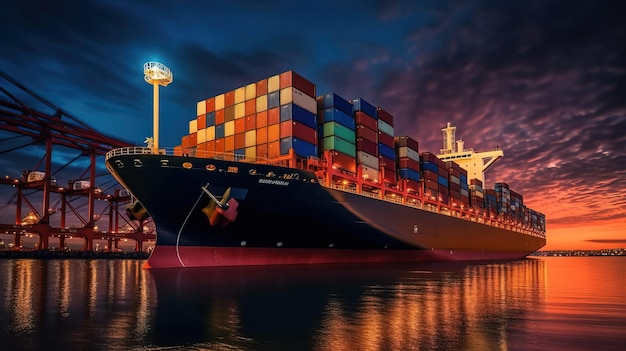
<point>156,73</point>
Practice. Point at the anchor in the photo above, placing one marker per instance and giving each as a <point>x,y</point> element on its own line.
<point>220,212</point>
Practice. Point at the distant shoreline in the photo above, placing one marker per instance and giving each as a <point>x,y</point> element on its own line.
<point>600,253</point>
<point>47,254</point>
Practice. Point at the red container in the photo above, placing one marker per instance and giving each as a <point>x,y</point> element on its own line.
<point>384,116</point>
<point>368,146</point>
<point>366,120</point>
<point>405,162</point>
<point>390,164</point>
<point>293,79</point>
<point>406,141</point>
<point>385,139</point>
<point>443,189</point>
<point>209,147</point>
<point>343,161</point>
<point>430,175</point>
<point>390,177</point>
<point>429,157</point>
<point>366,133</point>
<point>298,130</point>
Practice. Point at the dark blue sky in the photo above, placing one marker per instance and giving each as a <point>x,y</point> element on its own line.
<point>544,80</point>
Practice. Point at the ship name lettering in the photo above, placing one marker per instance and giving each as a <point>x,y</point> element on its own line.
<point>273,182</point>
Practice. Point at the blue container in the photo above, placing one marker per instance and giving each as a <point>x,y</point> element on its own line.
<point>298,114</point>
<point>386,151</point>
<point>407,173</point>
<point>299,146</point>
<point>219,131</point>
<point>210,119</point>
<point>361,105</point>
<point>443,180</point>
<point>429,166</point>
<point>273,99</point>
<point>334,100</point>
<point>332,114</point>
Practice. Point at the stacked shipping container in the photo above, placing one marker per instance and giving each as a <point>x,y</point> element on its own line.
<point>270,118</point>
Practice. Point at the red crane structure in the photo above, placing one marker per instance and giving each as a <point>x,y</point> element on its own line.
<point>51,137</point>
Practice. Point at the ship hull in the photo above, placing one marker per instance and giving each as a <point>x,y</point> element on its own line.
<point>280,215</point>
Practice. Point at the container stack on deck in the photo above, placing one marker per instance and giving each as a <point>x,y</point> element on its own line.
<point>280,117</point>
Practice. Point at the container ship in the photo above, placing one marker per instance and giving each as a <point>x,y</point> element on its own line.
<point>271,173</point>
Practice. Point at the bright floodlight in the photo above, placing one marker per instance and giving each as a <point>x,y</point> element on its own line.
<point>156,73</point>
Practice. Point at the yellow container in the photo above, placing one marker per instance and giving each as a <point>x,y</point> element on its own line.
<point>273,83</point>
<point>193,126</point>
<point>201,108</point>
<point>210,133</point>
<point>240,110</point>
<point>251,153</point>
<point>219,102</point>
<point>229,128</point>
<point>250,91</point>
<point>202,136</point>
<point>240,95</point>
<point>261,103</point>
<point>250,138</point>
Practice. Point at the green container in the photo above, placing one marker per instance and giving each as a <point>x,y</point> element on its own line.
<point>338,144</point>
<point>336,129</point>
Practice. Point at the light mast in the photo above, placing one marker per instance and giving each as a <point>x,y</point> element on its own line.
<point>156,73</point>
<point>475,163</point>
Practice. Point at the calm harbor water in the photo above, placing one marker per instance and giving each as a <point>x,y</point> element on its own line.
<point>539,303</point>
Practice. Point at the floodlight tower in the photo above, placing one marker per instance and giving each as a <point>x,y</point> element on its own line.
<point>156,73</point>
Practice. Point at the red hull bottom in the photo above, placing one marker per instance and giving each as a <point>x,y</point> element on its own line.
<point>171,257</point>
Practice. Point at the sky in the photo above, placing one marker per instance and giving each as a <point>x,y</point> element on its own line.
<point>543,80</point>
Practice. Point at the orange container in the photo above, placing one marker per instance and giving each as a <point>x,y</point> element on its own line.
<point>261,88</point>
<point>201,122</point>
<point>250,123</point>
<point>219,116</point>
<point>261,135</point>
<point>219,145</point>
<point>273,149</point>
<point>178,150</point>
<point>273,132</point>
<point>229,143</point>
<point>193,139</point>
<point>209,148</point>
<point>185,142</point>
<point>240,141</point>
<point>210,104</point>
<point>229,98</point>
<point>261,119</point>
<point>240,125</point>
<point>273,116</point>
<point>250,106</point>
<point>261,150</point>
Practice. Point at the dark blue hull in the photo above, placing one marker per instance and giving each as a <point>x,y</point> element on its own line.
<point>284,216</point>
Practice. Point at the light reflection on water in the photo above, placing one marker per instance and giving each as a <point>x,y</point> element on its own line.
<point>532,304</point>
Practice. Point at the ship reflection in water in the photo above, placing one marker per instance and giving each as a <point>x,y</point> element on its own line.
<point>116,305</point>
<point>350,307</point>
